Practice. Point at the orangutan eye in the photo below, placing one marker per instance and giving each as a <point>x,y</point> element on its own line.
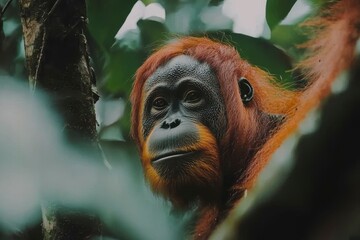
<point>159,103</point>
<point>192,96</point>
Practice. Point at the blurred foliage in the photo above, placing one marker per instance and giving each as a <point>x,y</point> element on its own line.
<point>276,10</point>
<point>215,2</point>
<point>120,58</point>
<point>12,59</point>
<point>116,60</point>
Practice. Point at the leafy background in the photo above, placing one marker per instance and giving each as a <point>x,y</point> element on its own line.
<point>127,207</point>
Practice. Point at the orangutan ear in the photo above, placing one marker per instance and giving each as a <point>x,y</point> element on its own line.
<point>246,90</point>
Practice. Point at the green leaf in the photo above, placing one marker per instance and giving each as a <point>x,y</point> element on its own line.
<point>106,18</point>
<point>288,36</point>
<point>120,68</point>
<point>215,2</point>
<point>259,52</point>
<point>152,32</point>
<point>277,10</point>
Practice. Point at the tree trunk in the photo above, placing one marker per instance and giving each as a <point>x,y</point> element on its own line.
<point>2,36</point>
<point>58,62</point>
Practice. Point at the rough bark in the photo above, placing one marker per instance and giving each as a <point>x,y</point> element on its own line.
<point>58,62</point>
<point>2,36</point>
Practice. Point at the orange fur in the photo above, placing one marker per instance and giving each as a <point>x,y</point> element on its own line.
<point>330,52</point>
<point>210,216</point>
<point>229,68</point>
<point>251,136</point>
<point>204,173</point>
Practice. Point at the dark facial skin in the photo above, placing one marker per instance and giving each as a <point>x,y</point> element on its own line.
<point>180,95</point>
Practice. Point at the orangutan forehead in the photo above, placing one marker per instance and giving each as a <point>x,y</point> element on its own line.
<point>179,67</point>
